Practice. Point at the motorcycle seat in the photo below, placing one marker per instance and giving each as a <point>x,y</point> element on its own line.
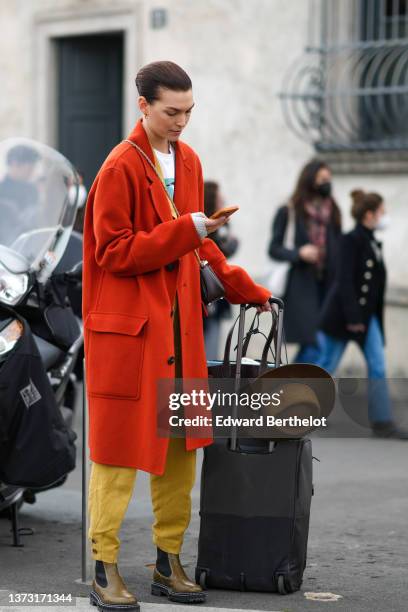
<point>51,355</point>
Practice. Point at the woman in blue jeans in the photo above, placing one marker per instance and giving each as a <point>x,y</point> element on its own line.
<point>354,308</point>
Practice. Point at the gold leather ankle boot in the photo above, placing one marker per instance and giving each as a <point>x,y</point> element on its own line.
<point>109,592</point>
<point>177,586</point>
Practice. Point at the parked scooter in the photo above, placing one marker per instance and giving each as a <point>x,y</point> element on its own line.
<point>40,336</point>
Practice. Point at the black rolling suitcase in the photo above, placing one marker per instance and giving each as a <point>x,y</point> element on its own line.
<point>255,507</point>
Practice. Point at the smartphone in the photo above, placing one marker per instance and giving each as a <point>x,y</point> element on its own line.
<point>224,212</point>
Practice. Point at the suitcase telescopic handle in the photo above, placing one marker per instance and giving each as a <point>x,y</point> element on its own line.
<point>279,332</point>
<point>278,346</point>
<point>277,301</point>
<point>241,329</point>
<point>271,300</point>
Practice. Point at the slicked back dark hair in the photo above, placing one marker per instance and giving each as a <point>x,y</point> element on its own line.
<point>161,74</point>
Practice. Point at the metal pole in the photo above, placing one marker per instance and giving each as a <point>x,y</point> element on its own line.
<point>395,18</point>
<point>323,61</point>
<point>241,328</point>
<point>311,42</point>
<point>324,25</point>
<point>369,22</point>
<point>86,576</point>
<point>382,19</point>
<point>279,333</point>
<point>278,351</point>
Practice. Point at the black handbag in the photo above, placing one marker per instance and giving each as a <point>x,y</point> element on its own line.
<point>212,288</point>
<point>58,314</point>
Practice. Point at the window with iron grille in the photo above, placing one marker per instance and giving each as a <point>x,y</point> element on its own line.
<point>349,92</point>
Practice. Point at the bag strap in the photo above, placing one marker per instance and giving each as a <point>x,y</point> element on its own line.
<point>171,201</point>
<point>268,339</point>
<point>252,330</point>
<point>267,346</point>
<point>151,164</point>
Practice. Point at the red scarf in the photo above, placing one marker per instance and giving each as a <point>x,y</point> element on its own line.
<point>319,214</point>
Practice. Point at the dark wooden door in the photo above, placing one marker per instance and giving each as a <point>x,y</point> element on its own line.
<point>89,99</point>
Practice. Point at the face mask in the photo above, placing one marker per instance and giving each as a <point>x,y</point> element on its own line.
<point>324,189</point>
<point>383,222</point>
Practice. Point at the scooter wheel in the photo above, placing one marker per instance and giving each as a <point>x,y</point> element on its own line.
<point>203,576</point>
<point>281,585</point>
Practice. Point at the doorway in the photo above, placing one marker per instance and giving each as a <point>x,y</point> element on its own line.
<point>90,99</point>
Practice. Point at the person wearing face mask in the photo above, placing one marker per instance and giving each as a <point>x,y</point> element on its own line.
<point>19,192</point>
<point>316,227</point>
<point>354,308</point>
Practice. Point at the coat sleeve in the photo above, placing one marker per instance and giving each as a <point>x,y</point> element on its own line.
<point>227,243</point>
<point>347,261</point>
<point>276,249</point>
<point>239,286</point>
<point>124,252</point>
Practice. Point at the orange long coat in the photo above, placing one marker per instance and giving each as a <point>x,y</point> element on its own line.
<point>129,287</point>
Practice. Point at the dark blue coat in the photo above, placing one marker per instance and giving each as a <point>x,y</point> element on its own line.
<point>358,291</point>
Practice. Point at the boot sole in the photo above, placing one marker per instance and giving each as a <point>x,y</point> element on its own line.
<point>162,591</point>
<point>95,600</point>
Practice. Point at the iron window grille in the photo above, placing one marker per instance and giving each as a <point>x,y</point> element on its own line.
<point>349,92</point>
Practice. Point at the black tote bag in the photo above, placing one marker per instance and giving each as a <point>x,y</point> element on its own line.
<point>227,368</point>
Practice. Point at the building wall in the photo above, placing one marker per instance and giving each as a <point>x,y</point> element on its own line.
<point>238,54</point>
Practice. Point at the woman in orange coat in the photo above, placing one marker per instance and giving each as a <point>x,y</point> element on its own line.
<point>142,316</point>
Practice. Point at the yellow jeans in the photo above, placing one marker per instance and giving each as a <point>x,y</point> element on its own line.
<point>110,491</point>
<point>111,488</point>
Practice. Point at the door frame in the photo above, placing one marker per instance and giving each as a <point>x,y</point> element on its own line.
<point>61,24</point>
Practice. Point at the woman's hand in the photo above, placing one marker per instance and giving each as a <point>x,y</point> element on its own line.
<point>267,307</point>
<point>356,327</point>
<point>309,253</point>
<point>213,224</point>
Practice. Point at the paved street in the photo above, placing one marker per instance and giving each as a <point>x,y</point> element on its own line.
<point>357,548</point>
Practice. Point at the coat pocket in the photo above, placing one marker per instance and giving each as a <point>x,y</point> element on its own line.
<point>114,355</point>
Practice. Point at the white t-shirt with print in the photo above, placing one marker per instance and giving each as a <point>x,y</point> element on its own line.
<point>168,168</point>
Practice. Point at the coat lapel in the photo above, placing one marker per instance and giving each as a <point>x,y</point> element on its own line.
<point>157,192</point>
<point>183,172</point>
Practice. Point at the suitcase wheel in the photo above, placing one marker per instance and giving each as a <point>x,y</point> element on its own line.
<point>281,585</point>
<point>201,580</point>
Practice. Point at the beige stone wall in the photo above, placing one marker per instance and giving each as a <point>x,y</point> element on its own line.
<point>237,52</point>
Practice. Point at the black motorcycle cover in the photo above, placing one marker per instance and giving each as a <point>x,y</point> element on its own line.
<point>36,448</point>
